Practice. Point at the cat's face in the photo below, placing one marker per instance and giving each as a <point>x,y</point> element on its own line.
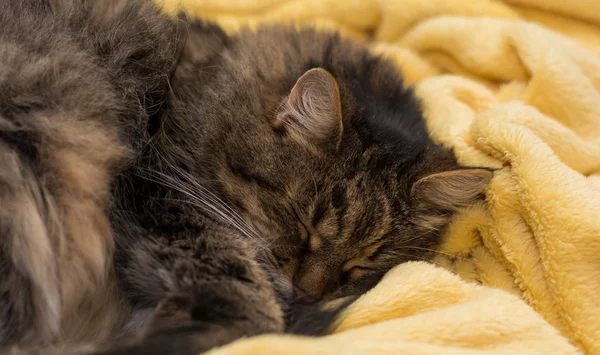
<point>338,207</point>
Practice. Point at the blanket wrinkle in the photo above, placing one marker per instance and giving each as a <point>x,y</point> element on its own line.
<point>512,85</point>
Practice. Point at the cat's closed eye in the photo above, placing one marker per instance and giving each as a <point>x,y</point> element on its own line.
<point>354,274</point>
<point>359,271</point>
<point>354,270</point>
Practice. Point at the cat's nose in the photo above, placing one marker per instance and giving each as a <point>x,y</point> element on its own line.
<point>303,296</point>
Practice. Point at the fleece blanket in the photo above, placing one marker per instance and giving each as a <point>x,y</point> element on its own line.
<point>512,85</point>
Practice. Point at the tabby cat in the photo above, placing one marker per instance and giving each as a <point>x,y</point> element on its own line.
<point>168,188</point>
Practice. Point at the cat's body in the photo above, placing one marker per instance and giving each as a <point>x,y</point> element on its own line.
<point>229,177</point>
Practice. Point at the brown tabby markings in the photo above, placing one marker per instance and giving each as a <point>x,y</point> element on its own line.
<point>183,198</point>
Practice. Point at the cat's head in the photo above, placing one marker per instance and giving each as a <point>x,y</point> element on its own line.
<point>345,185</point>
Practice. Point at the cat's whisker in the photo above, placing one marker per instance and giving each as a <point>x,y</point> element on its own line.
<point>288,245</point>
<point>419,236</point>
<point>173,167</point>
<point>191,180</point>
<point>232,217</point>
<point>454,256</point>
<point>215,209</point>
<point>224,217</point>
<point>208,206</point>
<point>216,199</point>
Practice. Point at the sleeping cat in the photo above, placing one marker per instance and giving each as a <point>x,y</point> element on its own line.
<point>167,188</point>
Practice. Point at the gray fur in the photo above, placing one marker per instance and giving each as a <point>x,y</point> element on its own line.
<point>153,201</point>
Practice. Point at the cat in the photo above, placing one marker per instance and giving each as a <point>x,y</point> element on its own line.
<point>168,188</point>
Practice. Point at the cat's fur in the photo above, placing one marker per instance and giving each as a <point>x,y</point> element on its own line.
<point>228,176</point>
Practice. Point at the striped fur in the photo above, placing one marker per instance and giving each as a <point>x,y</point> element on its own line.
<point>167,188</point>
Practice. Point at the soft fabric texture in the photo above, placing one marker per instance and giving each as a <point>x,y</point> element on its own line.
<point>510,85</point>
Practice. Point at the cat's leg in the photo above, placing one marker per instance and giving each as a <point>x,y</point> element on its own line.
<point>207,290</point>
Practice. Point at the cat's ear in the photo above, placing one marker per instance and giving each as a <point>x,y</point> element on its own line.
<point>313,108</point>
<point>439,195</point>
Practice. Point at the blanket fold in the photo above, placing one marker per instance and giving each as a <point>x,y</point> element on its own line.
<point>511,85</point>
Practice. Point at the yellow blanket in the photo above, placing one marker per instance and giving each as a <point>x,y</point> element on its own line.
<point>512,85</point>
